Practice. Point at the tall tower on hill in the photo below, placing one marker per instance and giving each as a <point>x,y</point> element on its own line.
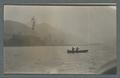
<point>33,22</point>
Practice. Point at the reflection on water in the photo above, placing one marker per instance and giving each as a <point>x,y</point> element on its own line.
<point>56,60</point>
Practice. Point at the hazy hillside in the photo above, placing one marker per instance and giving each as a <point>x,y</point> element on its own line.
<point>13,27</point>
<point>50,34</point>
<point>18,34</point>
<point>61,37</point>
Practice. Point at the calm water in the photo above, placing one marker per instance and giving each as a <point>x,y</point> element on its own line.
<point>56,60</point>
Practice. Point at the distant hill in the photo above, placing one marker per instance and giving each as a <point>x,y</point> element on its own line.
<point>58,36</point>
<point>49,33</point>
<point>13,27</point>
<point>18,34</point>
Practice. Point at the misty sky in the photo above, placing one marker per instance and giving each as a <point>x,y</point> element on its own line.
<point>54,15</point>
<point>98,19</point>
<point>72,16</point>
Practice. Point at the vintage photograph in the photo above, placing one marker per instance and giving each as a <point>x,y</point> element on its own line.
<point>59,39</point>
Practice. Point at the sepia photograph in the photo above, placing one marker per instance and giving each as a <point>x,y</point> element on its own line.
<point>59,39</point>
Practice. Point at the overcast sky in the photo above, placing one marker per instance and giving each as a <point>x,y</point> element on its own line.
<point>98,19</point>
<point>60,16</point>
<point>55,15</point>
